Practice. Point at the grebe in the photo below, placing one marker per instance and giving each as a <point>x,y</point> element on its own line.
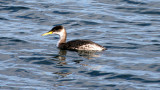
<point>74,44</point>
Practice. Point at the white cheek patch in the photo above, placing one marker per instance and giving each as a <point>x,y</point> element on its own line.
<point>61,33</point>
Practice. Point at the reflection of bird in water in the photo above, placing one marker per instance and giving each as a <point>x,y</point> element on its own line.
<point>74,44</point>
<point>63,74</point>
<point>86,54</point>
<point>61,57</point>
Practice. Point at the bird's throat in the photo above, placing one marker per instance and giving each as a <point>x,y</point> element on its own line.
<point>63,36</point>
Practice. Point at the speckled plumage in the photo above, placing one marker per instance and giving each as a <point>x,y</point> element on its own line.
<point>81,45</point>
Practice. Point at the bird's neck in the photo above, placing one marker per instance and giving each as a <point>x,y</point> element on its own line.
<point>63,36</point>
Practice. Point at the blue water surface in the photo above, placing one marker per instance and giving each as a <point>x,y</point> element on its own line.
<point>129,29</point>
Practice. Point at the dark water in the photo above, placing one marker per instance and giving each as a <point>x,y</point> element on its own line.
<point>130,29</point>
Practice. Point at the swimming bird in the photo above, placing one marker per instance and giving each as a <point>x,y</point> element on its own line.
<point>74,44</point>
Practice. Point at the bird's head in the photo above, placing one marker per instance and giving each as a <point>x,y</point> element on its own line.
<point>55,30</point>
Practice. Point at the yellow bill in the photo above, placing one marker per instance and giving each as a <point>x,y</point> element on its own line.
<point>47,33</point>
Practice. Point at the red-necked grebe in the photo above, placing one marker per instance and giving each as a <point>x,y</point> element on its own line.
<point>74,44</point>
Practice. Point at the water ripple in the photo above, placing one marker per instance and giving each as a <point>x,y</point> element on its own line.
<point>150,12</point>
<point>89,23</point>
<point>98,73</point>
<point>11,41</point>
<point>132,77</point>
<point>134,2</point>
<point>135,23</point>
<point>3,18</point>
<point>14,8</point>
<point>60,12</point>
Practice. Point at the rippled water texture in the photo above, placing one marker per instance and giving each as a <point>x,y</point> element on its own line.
<point>130,29</point>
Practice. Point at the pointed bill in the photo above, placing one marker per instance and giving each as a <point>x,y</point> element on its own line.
<point>46,33</point>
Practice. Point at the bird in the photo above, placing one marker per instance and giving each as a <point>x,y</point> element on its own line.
<point>75,45</point>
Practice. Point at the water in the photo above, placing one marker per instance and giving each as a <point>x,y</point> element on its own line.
<point>128,28</point>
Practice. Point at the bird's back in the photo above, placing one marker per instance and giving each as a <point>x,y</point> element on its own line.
<point>81,45</point>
